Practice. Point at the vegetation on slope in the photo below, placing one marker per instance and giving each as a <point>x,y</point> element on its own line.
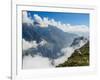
<point>78,59</point>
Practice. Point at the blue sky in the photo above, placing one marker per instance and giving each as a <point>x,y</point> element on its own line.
<point>66,18</point>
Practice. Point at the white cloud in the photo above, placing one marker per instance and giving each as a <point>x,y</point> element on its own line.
<point>43,42</point>
<point>32,44</point>
<point>26,19</point>
<point>67,53</point>
<point>80,44</point>
<point>45,22</point>
<point>26,44</point>
<point>42,62</point>
<point>37,18</point>
<point>37,61</point>
<point>53,22</point>
<point>76,29</point>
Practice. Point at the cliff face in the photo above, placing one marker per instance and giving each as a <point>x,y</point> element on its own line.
<point>78,59</point>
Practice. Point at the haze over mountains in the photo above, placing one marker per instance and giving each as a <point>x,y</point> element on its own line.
<point>47,43</point>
